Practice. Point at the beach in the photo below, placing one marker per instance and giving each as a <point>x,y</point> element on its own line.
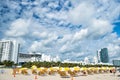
<point>7,75</point>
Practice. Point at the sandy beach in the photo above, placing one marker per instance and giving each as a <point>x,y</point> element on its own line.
<point>7,75</point>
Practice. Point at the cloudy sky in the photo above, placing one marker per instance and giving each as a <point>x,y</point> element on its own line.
<point>72,29</point>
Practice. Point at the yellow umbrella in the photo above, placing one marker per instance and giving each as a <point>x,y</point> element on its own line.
<point>34,67</point>
<point>23,68</point>
<point>76,68</point>
<point>83,69</point>
<point>66,68</point>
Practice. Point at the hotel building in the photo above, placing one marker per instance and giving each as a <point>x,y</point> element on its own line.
<point>9,50</point>
<point>102,56</point>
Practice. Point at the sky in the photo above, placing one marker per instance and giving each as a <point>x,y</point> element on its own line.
<point>71,29</point>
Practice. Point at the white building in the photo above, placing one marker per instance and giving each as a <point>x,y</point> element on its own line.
<point>9,50</point>
<point>49,58</point>
<point>98,56</point>
<point>95,60</point>
<point>46,58</point>
<point>29,57</point>
<point>56,59</point>
<point>70,61</point>
<point>86,60</point>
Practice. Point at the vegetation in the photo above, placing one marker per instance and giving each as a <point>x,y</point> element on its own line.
<point>59,64</point>
<point>8,63</point>
<point>1,63</point>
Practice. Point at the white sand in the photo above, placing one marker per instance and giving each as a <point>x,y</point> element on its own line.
<point>106,76</point>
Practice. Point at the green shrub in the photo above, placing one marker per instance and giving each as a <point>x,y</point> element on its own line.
<point>8,63</point>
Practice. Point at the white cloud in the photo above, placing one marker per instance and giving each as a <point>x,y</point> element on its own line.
<point>99,28</point>
<point>81,14</point>
<point>18,28</point>
<point>80,35</point>
<point>35,46</point>
<point>40,34</point>
<point>113,50</point>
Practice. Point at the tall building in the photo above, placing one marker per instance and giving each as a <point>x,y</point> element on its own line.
<point>104,58</point>
<point>98,56</point>
<point>9,50</point>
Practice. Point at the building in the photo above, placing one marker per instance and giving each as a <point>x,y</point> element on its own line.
<point>9,50</point>
<point>98,56</point>
<point>47,58</point>
<point>86,60</point>
<point>29,57</point>
<point>95,60</point>
<point>56,59</point>
<point>104,58</point>
<point>116,62</point>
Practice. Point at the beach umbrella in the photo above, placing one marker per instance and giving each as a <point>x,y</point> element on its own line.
<point>24,70</point>
<point>76,68</point>
<point>66,68</point>
<point>72,69</point>
<point>39,69</point>
<point>83,69</point>
<point>62,69</point>
<point>34,67</point>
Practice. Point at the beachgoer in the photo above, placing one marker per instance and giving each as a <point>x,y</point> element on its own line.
<point>2,71</point>
<point>114,71</point>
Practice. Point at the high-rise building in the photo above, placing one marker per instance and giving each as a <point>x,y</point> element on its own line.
<point>104,58</point>
<point>9,50</point>
<point>98,56</point>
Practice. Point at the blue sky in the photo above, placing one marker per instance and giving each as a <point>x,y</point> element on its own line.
<point>117,28</point>
<point>72,29</point>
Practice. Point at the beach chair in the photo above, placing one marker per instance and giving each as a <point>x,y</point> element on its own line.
<point>16,71</point>
<point>24,71</point>
<point>95,70</point>
<point>42,71</point>
<point>100,70</point>
<point>34,71</point>
<point>63,74</point>
<point>51,71</point>
<point>83,70</point>
<point>89,71</point>
<point>72,73</point>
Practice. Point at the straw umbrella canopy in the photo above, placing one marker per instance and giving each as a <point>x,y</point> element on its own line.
<point>34,67</point>
<point>76,68</point>
<point>66,68</point>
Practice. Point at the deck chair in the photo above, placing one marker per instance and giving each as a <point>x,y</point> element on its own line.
<point>63,74</point>
<point>24,71</point>
<point>34,71</point>
<point>72,73</point>
<point>42,72</point>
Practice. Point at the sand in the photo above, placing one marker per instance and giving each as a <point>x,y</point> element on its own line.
<point>104,76</point>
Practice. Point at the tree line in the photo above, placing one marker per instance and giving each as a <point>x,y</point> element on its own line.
<point>8,63</point>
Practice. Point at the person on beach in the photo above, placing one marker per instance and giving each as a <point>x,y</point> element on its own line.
<point>2,71</point>
<point>114,71</point>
